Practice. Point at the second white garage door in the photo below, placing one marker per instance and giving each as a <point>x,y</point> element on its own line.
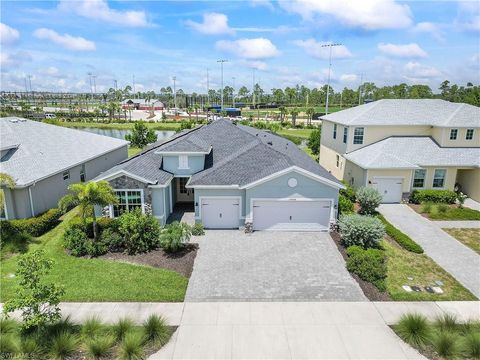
<point>220,213</point>
<point>291,215</point>
<point>389,188</point>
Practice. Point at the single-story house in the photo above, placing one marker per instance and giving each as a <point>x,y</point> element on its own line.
<point>231,175</point>
<point>44,159</point>
<point>142,104</point>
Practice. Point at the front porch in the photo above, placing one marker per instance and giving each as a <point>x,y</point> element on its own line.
<point>183,202</point>
<point>183,212</point>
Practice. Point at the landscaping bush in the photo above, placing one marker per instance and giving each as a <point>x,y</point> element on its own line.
<point>140,232</point>
<point>364,231</point>
<point>174,236</point>
<point>38,225</point>
<point>434,196</point>
<point>426,208</point>
<point>370,265</point>
<point>446,344</point>
<point>345,206</point>
<point>112,239</point>
<point>348,192</point>
<point>402,239</point>
<point>11,240</point>
<point>103,223</point>
<point>198,230</point>
<point>414,329</point>
<point>76,240</point>
<point>369,199</point>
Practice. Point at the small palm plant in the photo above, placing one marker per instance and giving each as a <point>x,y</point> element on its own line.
<point>86,196</point>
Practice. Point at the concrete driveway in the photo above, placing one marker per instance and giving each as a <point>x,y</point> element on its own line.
<point>267,266</point>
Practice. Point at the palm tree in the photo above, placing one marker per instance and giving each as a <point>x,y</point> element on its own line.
<point>5,181</point>
<point>310,111</point>
<point>86,196</point>
<point>283,112</point>
<point>294,112</point>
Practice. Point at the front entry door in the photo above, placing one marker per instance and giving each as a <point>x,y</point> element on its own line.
<point>183,194</point>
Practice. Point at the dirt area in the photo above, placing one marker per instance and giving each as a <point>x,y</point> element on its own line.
<point>370,290</point>
<point>181,262</point>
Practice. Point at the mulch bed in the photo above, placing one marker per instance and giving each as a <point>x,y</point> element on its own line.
<point>181,262</point>
<point>371,291</point>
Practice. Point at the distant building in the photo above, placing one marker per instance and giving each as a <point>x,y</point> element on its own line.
<point>44,159</point>
<point>142,104</point>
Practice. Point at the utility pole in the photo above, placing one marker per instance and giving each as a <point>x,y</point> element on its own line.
<point>133,82</point>
<point>90,79</point>
<point>208,90</point>
<point>360,89</point>
<point>174,92</point>
<point>253,88</point>
<point>30,83</point>
<point>115,84</point>
<point>329,69</point>
<point>233,94</point>
<point>221,92</point>
<point>94,84</point>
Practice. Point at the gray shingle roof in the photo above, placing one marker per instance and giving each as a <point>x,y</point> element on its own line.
<point>412,152</point>
<point>45,149</point>
<point>433,112</point>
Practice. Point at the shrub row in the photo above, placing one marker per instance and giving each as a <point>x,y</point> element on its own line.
<point>345,205</point>
<point>35,226</point>
<point>402,239</point>
<point>370,265</point>
<point>434,196</point>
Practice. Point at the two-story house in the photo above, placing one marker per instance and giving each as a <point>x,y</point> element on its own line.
<point>398,145</point>
<point>229,175</point>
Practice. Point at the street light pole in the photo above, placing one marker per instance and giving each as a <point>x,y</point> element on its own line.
<point>253,88</point>
<point>360,89</point>
<point>208,90</point>
<point>221,92</point>
<point>174,92</point>
<point>329,69</point>
<point>233,94</point>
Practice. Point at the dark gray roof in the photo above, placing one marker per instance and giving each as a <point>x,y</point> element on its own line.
<point>239,155</point>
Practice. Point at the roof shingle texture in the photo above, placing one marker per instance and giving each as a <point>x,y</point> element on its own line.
<point>46,149</point>
<point>433,112</point>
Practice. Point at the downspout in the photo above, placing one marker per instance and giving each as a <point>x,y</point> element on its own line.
<point>31,200</point>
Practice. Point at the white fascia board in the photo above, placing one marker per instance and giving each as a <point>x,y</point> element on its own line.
<point>212,187</point>
<point>160,152</point>
<point>123,173</point>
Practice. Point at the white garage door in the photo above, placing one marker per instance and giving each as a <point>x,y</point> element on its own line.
<point>291,215</point>
<point>389,188</point>
<point>220,213</point>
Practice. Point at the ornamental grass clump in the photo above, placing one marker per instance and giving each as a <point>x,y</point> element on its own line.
<point>92,327</point>
<point>446,322</point>
<point>156,329</point>
<point>471,345</point>
<point>446,344</point>
<point>63,345</point>
<point>100,346</point>
<point>369,199</point>
<point>174,236</point>
<point>131,347</point>
<point>414,329</point>
<point>122,327</point>
<point>364,231</point>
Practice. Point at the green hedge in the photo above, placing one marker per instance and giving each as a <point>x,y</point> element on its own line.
<point>402,239</point>
<point>345,206</point>
<point>434,196</point>
<point>370,265</point>
<point>38,225</point>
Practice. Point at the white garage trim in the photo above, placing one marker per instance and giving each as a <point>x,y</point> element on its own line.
<point>250,218</point>
<point>201,198</point>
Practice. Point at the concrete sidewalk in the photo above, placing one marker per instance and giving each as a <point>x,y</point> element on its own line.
<point>458,224</point>
<point>459,260</point>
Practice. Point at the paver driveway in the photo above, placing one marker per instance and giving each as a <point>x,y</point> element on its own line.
<point>266,266</point>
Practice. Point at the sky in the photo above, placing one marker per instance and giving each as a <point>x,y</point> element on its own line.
<point>281,43</point>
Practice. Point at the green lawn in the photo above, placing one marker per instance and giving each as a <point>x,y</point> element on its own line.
<point>152,125</point>
<point>403,264</point>
<point>301,133</point>
<point>447,212</point>
<point>468,237</point>
<point>133,151</point>
<point>95,279</point>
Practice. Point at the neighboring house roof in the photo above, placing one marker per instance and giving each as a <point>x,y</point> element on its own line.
<point>396,112</point>
<point>39,150</point>
<point>239,155</point>
<point>412,152</point>
<point>149,102</point>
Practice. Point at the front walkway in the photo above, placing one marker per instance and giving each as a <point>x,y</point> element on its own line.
<point>182,212</point>
<point>269,266</point>
<point>459,260</point>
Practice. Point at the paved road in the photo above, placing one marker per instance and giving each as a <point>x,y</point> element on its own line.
<point>459,260</point>
<point>268,266</point>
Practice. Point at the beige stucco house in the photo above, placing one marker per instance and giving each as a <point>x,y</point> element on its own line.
<point>399,145</point>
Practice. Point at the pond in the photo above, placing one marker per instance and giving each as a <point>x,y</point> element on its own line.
<point>120,133</point>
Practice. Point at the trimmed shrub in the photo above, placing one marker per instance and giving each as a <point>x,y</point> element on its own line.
<point>38,225</point>
<point>369,199</point>
<point>402,239</point>
<point>345,206</point>
<point>140,232</point>
<point>348,192</point>
<point>198,230</point>
<point>174,236</point>
<point>434,196</point>
<point>76,241</point>
<point>414,329</point>
<point>370,265</point>
<point>364,231</point>
<point>112,239</point>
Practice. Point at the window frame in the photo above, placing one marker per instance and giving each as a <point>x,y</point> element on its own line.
<point>83,176</point>
<point>453,131</point>
<point>345,135</point>
<point>334,131</point>
<point>472,133</point>
<point>338,163</point>
<point>435,178</point>
<point>183,162</point>
<point>66,175</point>
<point>414,178</point>
<point>356,136</point>
<point>125,191</point>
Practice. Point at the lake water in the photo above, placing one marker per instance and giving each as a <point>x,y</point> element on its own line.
<point>120,133</point>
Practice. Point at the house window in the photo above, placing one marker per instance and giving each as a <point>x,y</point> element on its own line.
<point>469,134</point>
<point>439,178</point>
<point>453,134</point>
<point>82,174</point>
<point>183,162</point>
<point>334,131</point>
<point>338,160</point>
<point>128,200</point>
<point>358,135</point>
<point>66,175</point>
<point>345,134</point>
<point>419,178</point>
<point>182,182</point>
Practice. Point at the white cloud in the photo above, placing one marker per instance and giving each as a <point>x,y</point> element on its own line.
<point>429,28</point>
<point>12,60</point>
<point>67,41</point>
<point>320,51</point>
<point>366,14</point>
<point>263,3</point>
<point>411,50</point>
<point>258,48</point>
<point>254,64</point>
<point>348,78</point>
<point>50,71</point>
<point>8,35</point>
<point>415,70</point>
<point>468,17</point>
<point>213,24</point>
<point>99,10</point>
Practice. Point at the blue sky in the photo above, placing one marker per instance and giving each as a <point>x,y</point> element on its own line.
<point>388,41</point>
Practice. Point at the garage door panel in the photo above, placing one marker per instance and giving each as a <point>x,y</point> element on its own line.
<point>220,213</point>
<point>389,188</point>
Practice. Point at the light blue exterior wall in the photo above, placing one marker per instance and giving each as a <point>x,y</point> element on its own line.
<point>196,163</point>
<point>219,192</point>
<point>158,202</point>
<point>278,188</point>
